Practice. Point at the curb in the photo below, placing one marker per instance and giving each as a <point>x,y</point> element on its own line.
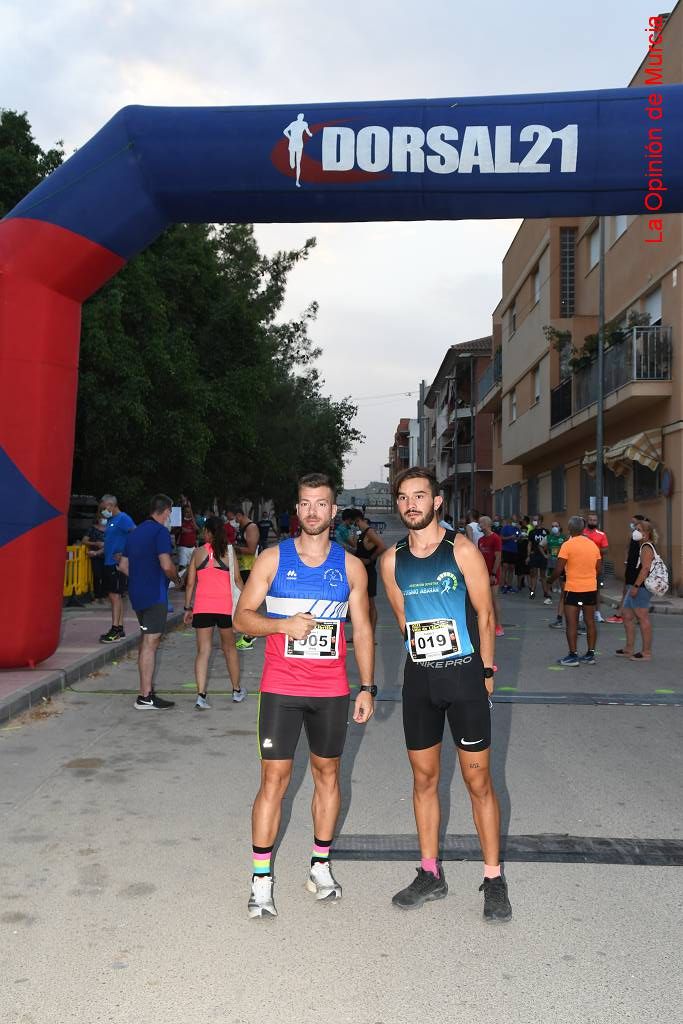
<point>34,694</point>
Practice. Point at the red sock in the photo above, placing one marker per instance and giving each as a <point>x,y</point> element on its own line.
<point>430,864</point>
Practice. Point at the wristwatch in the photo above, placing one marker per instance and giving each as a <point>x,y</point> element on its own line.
<point>488,673</point>
<point>186,609</point>
<point>371,689</point>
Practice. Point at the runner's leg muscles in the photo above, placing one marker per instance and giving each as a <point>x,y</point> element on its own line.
<point>267,810</point>
<point>426,765</point>
<point>326,794</point>
<point>485,811</point>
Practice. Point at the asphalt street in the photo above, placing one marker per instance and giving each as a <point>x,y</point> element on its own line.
<point>125,854</point>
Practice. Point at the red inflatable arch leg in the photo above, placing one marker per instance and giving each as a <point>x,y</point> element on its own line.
<point>41,286</point>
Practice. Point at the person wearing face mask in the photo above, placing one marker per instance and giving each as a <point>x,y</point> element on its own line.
<point>119,525</point>
<point>636,603</point>
<point>146,561</point>
<point>94,541</point>
<point>556,539</point>
<point>630,567</point>
<point>598,537</point>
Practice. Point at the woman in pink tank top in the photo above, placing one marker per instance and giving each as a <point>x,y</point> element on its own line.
<point>210,583</point>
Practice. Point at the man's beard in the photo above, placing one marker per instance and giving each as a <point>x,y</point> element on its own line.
<point>418,524</point>
<point>314,531</point>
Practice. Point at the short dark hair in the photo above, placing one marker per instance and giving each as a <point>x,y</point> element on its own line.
<point>316,480</point>
<point>159,504</point>
<point>349,514</point>
<point>417,473</point>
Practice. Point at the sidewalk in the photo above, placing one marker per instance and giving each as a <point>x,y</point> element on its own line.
<point>79,653</point>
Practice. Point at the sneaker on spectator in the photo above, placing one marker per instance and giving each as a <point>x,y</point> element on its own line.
<point>500,631</point>
<point>614,618</point>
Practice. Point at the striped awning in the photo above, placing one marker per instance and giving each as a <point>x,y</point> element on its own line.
<point>645,448</point>
<point>589,460</point>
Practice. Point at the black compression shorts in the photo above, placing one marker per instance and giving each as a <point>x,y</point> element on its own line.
<point>280,718</point>
<point>207,620</point>
<point>454,691</point>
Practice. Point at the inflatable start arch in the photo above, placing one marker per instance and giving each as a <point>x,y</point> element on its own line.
<point>560,154</point>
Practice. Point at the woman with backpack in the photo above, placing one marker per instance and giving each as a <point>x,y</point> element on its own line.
<point>636,604</point>
<point>213,582</point>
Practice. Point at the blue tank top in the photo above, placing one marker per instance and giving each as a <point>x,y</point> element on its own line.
<point>323,590</point>
<point>440,620</point>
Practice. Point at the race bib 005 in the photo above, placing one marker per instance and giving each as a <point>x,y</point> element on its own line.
<point>321,642</point>
<point>432,639</point>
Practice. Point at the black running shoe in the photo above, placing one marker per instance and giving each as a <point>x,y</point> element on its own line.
<point>153,703</point>
<point>114,634</point>
<point>423,889</point>
<point>496,903</point>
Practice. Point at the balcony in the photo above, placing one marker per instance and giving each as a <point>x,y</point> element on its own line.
<point>636,372</point>
<point>488,385</point>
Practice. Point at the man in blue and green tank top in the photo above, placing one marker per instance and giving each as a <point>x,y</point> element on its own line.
<point>439,589</point>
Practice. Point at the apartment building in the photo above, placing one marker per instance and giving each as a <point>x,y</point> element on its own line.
<point>399,453</point>
<point>541,388</point>
<point>458,440</point>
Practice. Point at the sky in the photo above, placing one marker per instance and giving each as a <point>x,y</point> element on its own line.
<point>392,296</point>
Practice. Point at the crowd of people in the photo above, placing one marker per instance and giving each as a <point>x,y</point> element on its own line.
<point>442,582</point>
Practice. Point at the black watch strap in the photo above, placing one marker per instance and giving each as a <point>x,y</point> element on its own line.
<point>372,689</point>
<point>488,673</point>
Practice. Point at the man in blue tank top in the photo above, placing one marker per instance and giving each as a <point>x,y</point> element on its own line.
<point>438,587</point>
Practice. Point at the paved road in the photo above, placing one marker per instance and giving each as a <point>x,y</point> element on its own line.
<point>125,855</point>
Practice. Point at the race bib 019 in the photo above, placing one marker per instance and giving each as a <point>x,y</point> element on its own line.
<point>321,642</point>
<point>433,639</point>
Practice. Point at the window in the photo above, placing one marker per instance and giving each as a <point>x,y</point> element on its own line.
<point>516,499</point>
<point>587,489</point>
<point>498,503</point>
<point>513,405</point>
<point>645,482</point>
<point>532,495</point>
<point>507,502</point>
<point>653,306</point>
<point>537,384</point>
<point>594,248</point>
<point>567,271</point>
<point>615,488</point>
<point>536,282</point>
<point>557,489</point>
<point>620,225</point>
<point>512,318</point>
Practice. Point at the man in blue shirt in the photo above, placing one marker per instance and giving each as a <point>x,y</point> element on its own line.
<point>119,525</point>
<point>146,561</point>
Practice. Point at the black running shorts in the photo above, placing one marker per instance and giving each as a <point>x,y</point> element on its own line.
<point>280,718</point>
<point>153,619</point>
<point>113,581</point>
<point>579,598</point>
<point>207,620</point>
<point>454,691</point>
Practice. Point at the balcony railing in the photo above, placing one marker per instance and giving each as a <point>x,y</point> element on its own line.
<point>464,453</point>
<point>493,374</point>
<point>645,354</point>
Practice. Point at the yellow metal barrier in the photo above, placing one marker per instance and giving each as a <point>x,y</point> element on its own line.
<point>78,577</point>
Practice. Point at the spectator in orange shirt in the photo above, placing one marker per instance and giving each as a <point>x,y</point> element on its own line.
<point>579,558</point>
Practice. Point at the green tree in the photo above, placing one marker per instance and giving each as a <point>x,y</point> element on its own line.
<point>23,164</point>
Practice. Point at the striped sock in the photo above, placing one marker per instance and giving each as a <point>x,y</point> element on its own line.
<point>321,851</point>
<point>261,862</point>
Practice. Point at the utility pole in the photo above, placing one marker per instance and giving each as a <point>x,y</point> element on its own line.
<point>599,419</point>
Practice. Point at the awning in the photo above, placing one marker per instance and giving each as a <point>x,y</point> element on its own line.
<point>590,458</point>
<point>645,448</point>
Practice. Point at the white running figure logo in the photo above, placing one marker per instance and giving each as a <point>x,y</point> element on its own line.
<point>295,133</point>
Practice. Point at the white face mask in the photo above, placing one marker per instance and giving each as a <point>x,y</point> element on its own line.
<point>103,522</point>
<point>637,535</point>
<point>556,530</point>
<point>106,513</point>
<point>534,522</point>
<point>167,523</point>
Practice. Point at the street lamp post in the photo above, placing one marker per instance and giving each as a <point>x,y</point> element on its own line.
<point>599,420</point>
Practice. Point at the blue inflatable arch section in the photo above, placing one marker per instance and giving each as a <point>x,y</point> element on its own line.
<point>552,155</point>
